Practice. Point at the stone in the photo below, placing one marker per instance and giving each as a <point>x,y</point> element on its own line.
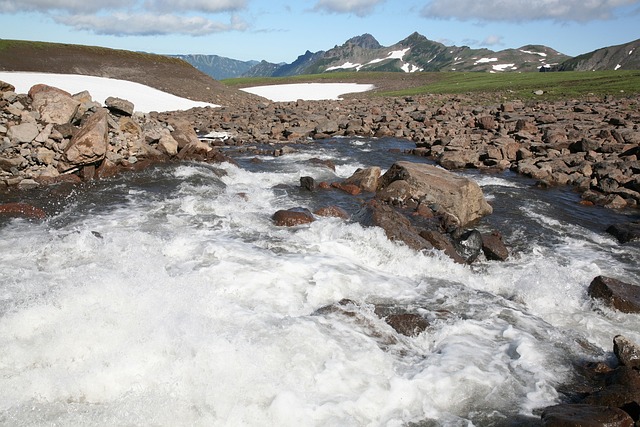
<point>582,415</point>
<point>486,123</point>
<point>118,106</point>
<point>459,159</point>
<point>456,195</point>
<point>627,352</point>
<point>443,243</point>
<point>168,145</point>
<point>23,133</point>
<point>45,156</point>
<point>54,105</point>
<point>292,217</point>
<point>89,145</point>
<point>468,245</point>
<point>332,211</point>
<point>366,179</point>
<point>625,232</point>
<point>23,210</point>
<point>308,183</point>
<point>616,294</point>
<point>493,247</point>
<point>408,324</point>
<point>352,189</point>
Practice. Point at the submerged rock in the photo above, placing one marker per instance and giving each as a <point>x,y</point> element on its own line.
<point>568,415</point>
<point>292,217</point>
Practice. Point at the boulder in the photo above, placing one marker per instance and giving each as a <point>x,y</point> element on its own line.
<point>625,232</point>
<point>627,352</point>
<point>468,244</point>
<point>23,133</point>
<point>54,105</point>
<point>292,217</point>
<point>615,293</point>
<point>89,145</point>
<point>408,324</point>
<point>582,415</point>
<point>118,106</point>
<point>332,211</point>
<point>308,183</point>
<point>493,247</point>
<point>366,179</point>
<point>457,195</point>
<point>396,226</point>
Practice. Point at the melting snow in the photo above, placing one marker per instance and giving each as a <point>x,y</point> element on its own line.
<point>533,53</point>
<point>485,60</point>
<point>345,65</point>
<point>617,67</point>
<point>502,67</point>
<point>631,51</point>
<point>307,91</point>
<point>396,54</point>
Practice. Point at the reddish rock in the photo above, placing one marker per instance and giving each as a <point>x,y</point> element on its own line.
<point>493,247</point>
<point>22,209</point>
<point>89,145</point>
<point>292,217</point>
<point>366,179</point>
<point>332,211</point>
<point>352,189</point>
<point>615,293</point>
<point>408,324</point>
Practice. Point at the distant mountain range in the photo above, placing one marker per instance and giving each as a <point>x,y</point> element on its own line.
<point>417,53</point>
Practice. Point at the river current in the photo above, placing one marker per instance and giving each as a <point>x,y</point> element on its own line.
<point>168,297</point>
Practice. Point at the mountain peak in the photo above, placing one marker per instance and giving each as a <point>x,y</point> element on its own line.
<point>365,41</point>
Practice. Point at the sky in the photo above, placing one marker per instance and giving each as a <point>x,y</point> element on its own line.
<point>281,30</point>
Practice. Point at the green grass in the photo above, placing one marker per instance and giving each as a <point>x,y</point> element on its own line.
<point>556,85</point>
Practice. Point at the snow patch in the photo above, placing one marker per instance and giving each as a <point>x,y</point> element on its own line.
<point>617,67</point>
<point>503,67</point>
<point>307,91</point>
<point>485,60</point>
<point>533,53</point>
<point>346,65</point>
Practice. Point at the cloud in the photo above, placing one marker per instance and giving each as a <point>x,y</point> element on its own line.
<point>205,6</point>
<point>524,10</point>
<point>122,24</point>
<point>357,7</point>
<point>70,6</point>
<point>492,40</point>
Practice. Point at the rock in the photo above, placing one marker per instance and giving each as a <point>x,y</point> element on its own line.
<point>45,156</point>
<point>468,244</point>
<point>615,293</point>
<point>352,189</point>
<point>617,396</point>
<point>625,232</point>
<point>581,415</point>
<point>183,133</point>
<point>486,123</point>
<point>6,87</point>
<point>118,106</point>
<point>442,243</point>
<point>408,324</point>
<point>168,145</point>
<point>23,133</point>
<point>292,217</point>
<point>308,183</point>
<point>89,145</point>
<point>627,352</point>
<point>54,105</point>
<point>458,196</point>
<point>22,209</point>
<point>332,211</point>
<point>366,179</point>
<point>493,247</point>
<point>459,159</point>
<point>396,226</point>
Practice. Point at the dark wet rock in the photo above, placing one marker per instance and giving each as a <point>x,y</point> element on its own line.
<point>616,294</point>
<point>408,324</point>
<point>308,183</point>
<point>617,396</point>
<point>292,217</point>
<point>627,352</point>
<point>442,242</point>
<point>468,244</point>
<point>395,225</point>
<point>581,415</point>
<point>493,247</point>
<point>625,232</point>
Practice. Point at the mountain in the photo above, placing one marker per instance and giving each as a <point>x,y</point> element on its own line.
<point>415,53</point>
<point>620,57</point>
<point>218,67</point>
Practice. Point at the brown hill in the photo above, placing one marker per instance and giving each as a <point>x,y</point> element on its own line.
<point>170,75</point>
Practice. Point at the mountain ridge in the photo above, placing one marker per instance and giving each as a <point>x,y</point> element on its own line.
<point>418,53</point>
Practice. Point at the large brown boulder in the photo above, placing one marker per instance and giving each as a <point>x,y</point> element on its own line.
<point>615,293</point>
<point>54,105</point>
<point>292,217</point>
<point>89,145</point>
<point>458,196</point>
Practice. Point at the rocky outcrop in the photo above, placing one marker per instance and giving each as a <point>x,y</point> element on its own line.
<point>49,136</point>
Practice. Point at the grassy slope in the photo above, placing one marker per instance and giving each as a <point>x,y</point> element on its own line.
<point>509,85</point>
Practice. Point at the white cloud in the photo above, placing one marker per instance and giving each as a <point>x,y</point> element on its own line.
<point>122,24</point>
<point>492,40</point>
<point>206,6</point>
<point>524,10</point>
<point>71,6</point>
<point>358,7</point>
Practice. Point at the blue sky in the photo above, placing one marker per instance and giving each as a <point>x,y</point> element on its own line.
<point>279,30</point>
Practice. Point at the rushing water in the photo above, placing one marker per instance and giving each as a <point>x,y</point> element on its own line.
<point>168,297</point>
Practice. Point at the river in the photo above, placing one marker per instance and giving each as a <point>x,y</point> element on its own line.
<point>168,297</point>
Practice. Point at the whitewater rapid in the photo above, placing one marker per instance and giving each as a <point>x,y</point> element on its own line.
<point>168,297</point>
